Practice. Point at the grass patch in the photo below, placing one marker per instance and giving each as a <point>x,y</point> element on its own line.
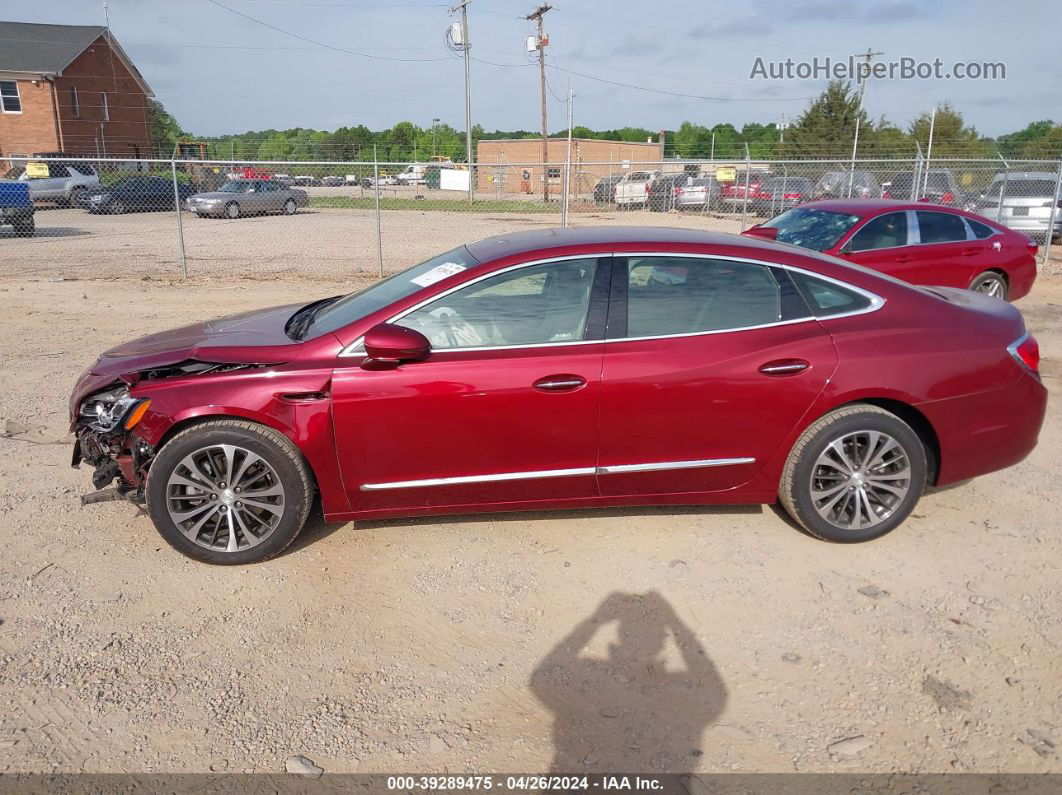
<point>433,205</point>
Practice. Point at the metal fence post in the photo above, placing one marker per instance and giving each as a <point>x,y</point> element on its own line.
<point>745,201</point>
<point>180,223</point>
<point>379,223</point>
<point>1054,214</point>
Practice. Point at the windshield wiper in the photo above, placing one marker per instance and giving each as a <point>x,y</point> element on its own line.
<point>299,323</point>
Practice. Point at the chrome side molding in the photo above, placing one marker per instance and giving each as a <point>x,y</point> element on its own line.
<point>558,473</point>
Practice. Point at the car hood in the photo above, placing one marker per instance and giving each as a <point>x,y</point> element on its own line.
<point>255,337</point>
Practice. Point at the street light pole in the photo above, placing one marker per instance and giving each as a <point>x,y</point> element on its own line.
<point>434,122</point>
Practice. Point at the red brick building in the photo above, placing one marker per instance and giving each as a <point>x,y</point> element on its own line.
<point>70,88</point>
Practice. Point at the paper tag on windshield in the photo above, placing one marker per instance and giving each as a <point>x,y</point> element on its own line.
<point>438,273</point>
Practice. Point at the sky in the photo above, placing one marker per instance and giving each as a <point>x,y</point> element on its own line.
<point>219,72</point>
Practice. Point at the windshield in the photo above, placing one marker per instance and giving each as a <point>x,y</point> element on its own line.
<point>811,228</point>
<point>236,186</point>
<point>357,305</point>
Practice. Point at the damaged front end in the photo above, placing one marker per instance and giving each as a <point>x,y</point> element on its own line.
<point>103,423</point>
<point>104,440</point>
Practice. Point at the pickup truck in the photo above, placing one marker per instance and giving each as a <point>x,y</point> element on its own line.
<point>633,190</point>
<point>68,183</point>
<point>16,208</point>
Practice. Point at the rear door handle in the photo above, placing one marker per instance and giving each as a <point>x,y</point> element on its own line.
<point>564,382</point>
<point>780,367</point>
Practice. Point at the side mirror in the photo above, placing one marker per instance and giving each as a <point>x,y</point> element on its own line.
<point>392,344</point>
<point>766,232</point>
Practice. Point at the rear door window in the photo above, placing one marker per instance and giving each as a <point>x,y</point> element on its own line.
<point>940,227</point>
<point>677,295</point>
<point>981,231</point>
<point>827,299</point>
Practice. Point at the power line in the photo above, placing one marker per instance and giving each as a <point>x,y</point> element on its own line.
<point>321,43</point>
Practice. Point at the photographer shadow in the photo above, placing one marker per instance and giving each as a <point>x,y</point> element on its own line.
<point>642,707</point>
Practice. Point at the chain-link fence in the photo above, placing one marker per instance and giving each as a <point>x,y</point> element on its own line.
<point>330,220</point>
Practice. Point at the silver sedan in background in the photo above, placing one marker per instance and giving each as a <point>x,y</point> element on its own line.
<point>248,197</point>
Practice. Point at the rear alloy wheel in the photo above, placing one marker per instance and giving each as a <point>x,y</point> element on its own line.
<point>117,207</point>
<point>229,492</point>
<point>290,207</point>
<point>77,197</point>
<point>990,283</point>
<point>232,210</point>
<point>854,475</point>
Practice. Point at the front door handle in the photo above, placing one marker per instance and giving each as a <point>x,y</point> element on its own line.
<point>564,382</point>
<point>780,367</point>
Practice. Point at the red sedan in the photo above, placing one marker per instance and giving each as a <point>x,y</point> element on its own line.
<point>566,369</point>
<point>913,241</point>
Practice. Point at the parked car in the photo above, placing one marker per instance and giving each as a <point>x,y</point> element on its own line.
<point>732,197</point>
<point>845,185</point>
<point>939,186</point>
<point>781,193</point>
<point>919,243</point>
<point>331,181</point>
<point>512,374</point>
<point>633,189</point>
<point>699,193</point>
<point>662,190</point>
<point>68,182</point>
<point>137,193</point>
<point>605,189</point>
<point>411,175</point>
<point>248,197</point>
<point>283,179</point>
<point>16,208</point>
<point>1023,201</point>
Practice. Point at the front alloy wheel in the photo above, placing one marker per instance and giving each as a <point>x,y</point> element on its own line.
<point>232,210</point>
<point>854,475</point>
<point>290,207</point>
<point>229,491</point>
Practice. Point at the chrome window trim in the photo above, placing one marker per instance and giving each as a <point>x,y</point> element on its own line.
<point>659,466</point>
<point>355,348</point>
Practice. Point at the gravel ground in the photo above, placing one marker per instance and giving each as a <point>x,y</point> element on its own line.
<point>319,243</point>
<point>659,640</point>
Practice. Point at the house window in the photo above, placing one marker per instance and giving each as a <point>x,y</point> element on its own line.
<point>10,102</point>
<point>73,102</point>
<point>103,104</point>
<point>553,173</point>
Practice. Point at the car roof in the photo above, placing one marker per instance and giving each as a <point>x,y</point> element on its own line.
<point>500,246</point>
<point>865,207</point>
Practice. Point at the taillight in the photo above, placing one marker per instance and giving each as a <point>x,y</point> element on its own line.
<point>886,195</point>
<point>1026,352</point>
<point>1032,247</point>
<point>948,197</point>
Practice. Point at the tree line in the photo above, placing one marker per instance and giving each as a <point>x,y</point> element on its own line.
<point>824,130</point>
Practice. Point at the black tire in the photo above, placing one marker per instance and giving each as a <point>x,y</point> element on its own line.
<point>800,469</point>
<point>116,207</point>
<point>232,210</point>
<point>77,197</point>
<point>24,227</point>
<point>991,283</point>
<point>277,451</point>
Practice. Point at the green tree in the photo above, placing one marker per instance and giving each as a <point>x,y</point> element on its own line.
<point>165,129</point>
<point>951,136</point>
<point>827,127</point>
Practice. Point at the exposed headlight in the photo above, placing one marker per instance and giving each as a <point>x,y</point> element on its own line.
<point>104,411</point>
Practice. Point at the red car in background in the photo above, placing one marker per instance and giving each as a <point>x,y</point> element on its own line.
<point>913,241</point>
<point>566,368</point>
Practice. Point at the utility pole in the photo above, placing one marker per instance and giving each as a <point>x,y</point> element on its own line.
<point>540,42</point>
<point>929,151</point>
<point>465,44</point>
<point>867,56</point>
<point>434,124</point>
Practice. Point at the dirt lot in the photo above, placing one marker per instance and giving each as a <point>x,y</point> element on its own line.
<point>653,640</point>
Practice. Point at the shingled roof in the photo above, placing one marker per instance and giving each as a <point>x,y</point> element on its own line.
<point>31,48</point>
